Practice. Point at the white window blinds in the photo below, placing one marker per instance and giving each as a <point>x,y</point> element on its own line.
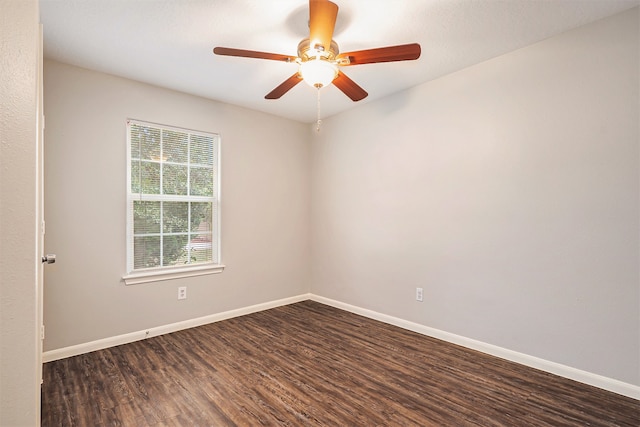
<point>172,195</point>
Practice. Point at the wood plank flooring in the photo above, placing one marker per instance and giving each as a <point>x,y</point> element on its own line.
<point>309,364</point>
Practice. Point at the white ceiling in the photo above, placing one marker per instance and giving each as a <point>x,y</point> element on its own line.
<point>169,43</point>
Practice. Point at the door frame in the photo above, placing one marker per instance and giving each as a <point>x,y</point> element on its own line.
<point>40,224</point>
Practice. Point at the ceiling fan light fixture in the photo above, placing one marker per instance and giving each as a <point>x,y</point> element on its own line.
<point>318,73</point>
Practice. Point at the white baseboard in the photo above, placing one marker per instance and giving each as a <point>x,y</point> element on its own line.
<point>75,350</point>
<point>585,377</point>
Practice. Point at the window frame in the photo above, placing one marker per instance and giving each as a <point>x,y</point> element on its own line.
<point>153,274</point>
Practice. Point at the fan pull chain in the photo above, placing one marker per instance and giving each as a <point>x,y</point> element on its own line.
<point>318,122</point>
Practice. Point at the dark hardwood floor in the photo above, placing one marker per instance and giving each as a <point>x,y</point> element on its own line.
<point>310,364</point>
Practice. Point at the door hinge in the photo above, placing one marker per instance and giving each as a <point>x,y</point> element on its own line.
<point>41,332</point>
<point>43,227</point>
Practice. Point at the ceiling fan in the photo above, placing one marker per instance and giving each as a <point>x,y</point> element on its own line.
<point>319,58</point>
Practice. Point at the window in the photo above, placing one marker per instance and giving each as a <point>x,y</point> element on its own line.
<point>172,202</point>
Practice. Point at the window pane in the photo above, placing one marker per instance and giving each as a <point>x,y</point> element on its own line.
<point>146,217</point>
<point>200,217</point>
<point>174,179</point>
<point>147,174</point>
<point>200,248</point>
<point>135,176</point>
<point>146,252</point>
<point>175,146</point>
<point>175,217</point>
<point>202,150</point>
<point>145,142</point>
<point>201,182</point>
<point>174,250</point>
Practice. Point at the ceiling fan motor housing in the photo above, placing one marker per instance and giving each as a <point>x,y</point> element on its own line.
<point>307,52</point>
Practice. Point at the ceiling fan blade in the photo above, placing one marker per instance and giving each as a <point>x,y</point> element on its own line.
<point>349,87</point>
<point>405,52</point>
<point>322,21</point>
<point>227,51</point>
<point>284,87</point>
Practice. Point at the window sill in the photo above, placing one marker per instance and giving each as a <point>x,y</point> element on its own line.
<point>169,274</point>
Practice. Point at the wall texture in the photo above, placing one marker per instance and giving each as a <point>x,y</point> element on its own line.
<point>19,378</point>
<point>265,207</point>
<point>509,191</point>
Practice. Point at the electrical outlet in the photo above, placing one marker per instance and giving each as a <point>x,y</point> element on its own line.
<point>418,294</point>
<point>182,292</point>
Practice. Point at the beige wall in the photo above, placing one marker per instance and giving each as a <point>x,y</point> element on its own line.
<point>509,191</point>
<point>265,207</point>
<point>19,377</point>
